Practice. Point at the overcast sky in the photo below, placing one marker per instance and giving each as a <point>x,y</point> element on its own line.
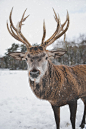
<point>39,10</point>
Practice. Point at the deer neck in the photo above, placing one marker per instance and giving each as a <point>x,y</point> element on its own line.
<point>47,83</point>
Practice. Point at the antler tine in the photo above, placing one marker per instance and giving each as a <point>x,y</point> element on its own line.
<point>25,17</point>
<point>10,19</point>
<point>58,33</point>
<point>22,19</point>
<point>11,32</point>
<point>17,34</point>
<point>44,32</point>
<point>18,37</point>
<point>19,28</point>
<point>14,35</point>
<point>67,18</point>
<point>23,14</point>
<point>57,19</point>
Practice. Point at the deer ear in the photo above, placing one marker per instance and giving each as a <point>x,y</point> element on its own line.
<point>55,54</point>
<point>17,55</point>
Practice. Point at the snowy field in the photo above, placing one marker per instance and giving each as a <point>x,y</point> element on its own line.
<point>21,109</point>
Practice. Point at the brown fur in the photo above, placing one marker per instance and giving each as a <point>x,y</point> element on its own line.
<point>36,50</point>
<point>61,84</point>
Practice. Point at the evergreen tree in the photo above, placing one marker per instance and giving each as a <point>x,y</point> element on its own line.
<point>76,54</point>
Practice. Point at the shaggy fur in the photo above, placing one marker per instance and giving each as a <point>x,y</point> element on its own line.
<point>61,84</point>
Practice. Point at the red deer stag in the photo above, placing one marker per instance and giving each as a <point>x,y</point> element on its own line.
<point>60,84</point>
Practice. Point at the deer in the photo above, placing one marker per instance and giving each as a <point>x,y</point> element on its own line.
<point>58,84</point>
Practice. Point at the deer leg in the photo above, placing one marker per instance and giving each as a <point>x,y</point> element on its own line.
<point>57,116</point>
<point>84,115</point>
<point>73,108</point>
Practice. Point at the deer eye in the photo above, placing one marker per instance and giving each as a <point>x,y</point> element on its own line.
<point>31,60</point>
<point>46,58</point>
<point>26,59</point>
<point>39,59</point>
<point>28,55</point>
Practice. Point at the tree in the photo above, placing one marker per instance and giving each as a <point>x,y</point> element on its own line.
<point>76,54</point>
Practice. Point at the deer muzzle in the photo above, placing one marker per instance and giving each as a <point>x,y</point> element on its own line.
<point>34,73</point>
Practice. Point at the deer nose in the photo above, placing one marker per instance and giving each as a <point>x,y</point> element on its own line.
<point>34,73</point>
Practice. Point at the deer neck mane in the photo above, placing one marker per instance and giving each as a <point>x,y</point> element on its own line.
<point>47,83</point>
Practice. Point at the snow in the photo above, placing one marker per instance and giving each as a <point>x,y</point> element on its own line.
<point>21,109</point>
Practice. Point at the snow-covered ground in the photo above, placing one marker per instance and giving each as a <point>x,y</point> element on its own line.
<point>21,109</point>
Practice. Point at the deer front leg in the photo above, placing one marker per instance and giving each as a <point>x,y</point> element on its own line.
<point>73,108</point>
<point>84,115</point>
<point>57,116</point>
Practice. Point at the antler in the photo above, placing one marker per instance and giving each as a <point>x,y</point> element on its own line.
<point>59,30</point>
<point>44,32</point>
<point>16,32</point>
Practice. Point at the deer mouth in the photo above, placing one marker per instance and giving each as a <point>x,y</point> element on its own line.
<point>34,73</point>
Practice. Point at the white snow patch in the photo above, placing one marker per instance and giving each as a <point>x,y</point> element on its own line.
<point>21,109</point>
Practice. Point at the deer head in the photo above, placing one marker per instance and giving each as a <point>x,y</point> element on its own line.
<point>37,57</point>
